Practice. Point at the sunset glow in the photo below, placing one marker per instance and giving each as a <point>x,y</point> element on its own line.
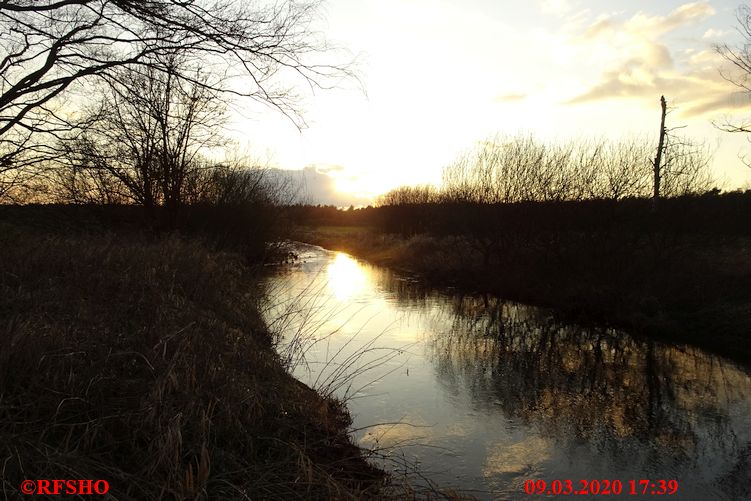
<point>487,249</point>
<point>439,76</point>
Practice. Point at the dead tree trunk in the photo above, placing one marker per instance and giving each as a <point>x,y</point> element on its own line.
<point>658,156</point>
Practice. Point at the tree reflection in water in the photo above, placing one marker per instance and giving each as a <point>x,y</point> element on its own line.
<point>647,406</point>
<point>491,393</point>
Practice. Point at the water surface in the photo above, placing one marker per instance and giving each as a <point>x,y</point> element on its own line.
<point>480,394</point>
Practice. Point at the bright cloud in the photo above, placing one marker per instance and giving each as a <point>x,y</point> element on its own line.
<point>638,64</point>
<point>556,7</point>
<point>657,25</point>
<point>713,33</point>
<point>442,74</point>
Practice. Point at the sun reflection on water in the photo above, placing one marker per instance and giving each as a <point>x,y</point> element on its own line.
<point>346,277</point>
<point>485,394</point>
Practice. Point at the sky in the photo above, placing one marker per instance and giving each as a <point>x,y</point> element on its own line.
<point>437,76</point>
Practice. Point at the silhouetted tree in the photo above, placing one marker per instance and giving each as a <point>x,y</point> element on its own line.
<point>149,130</point>
<point>681,166</point>
<point>410,195</point>
<point>685,167</point>
<point>660,150</point>
<point>523,169</point>
<point>50,47</point>
<point>740,58</point>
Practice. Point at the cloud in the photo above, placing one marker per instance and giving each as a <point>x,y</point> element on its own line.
<point>642,25</point>
<point>638,65</point>
<point>329,169</point>
<point>601,27</point>
<point>314,185</point>
<point>704,58</point>
<point>555,7</point>
<point>653,26</point>
<point>713,33</point>
<point>511,98</point>
<point>684,15</point>
<point>727,103</point>
<point>636,77</point>
<point>617,85</point>
<point>606,28</point>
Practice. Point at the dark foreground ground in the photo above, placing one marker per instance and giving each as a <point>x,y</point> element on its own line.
<point>141,359</point>
<point>682,273</point>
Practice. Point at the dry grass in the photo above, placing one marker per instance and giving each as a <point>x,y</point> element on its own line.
<point>144,362</point>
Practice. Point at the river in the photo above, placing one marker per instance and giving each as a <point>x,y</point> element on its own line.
<point>483,395</point>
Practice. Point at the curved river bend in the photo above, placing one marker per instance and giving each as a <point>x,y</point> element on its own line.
<point>480,394</point>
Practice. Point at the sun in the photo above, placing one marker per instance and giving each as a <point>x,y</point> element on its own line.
<point>345,277</point>
<point>365,186</point>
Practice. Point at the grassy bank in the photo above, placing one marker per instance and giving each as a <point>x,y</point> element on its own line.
<point>142,360</point>
<point>683,288</point>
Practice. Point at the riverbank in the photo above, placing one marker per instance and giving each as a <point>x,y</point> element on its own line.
<point>142,360</point>
<point>682,290</point>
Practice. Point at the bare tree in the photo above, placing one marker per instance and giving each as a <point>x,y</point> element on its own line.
<point>739,58</point>
<point>81,177</point>
<point>624,170</point>
<point>660,151</point>
<point>262,51</point>
<point>681,165</point>
<point>410,195</point>
<point>148,132</point>
<point>685,167</point>
<point>522,169</point>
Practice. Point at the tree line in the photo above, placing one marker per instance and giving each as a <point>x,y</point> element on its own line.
<point>523,169</point>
